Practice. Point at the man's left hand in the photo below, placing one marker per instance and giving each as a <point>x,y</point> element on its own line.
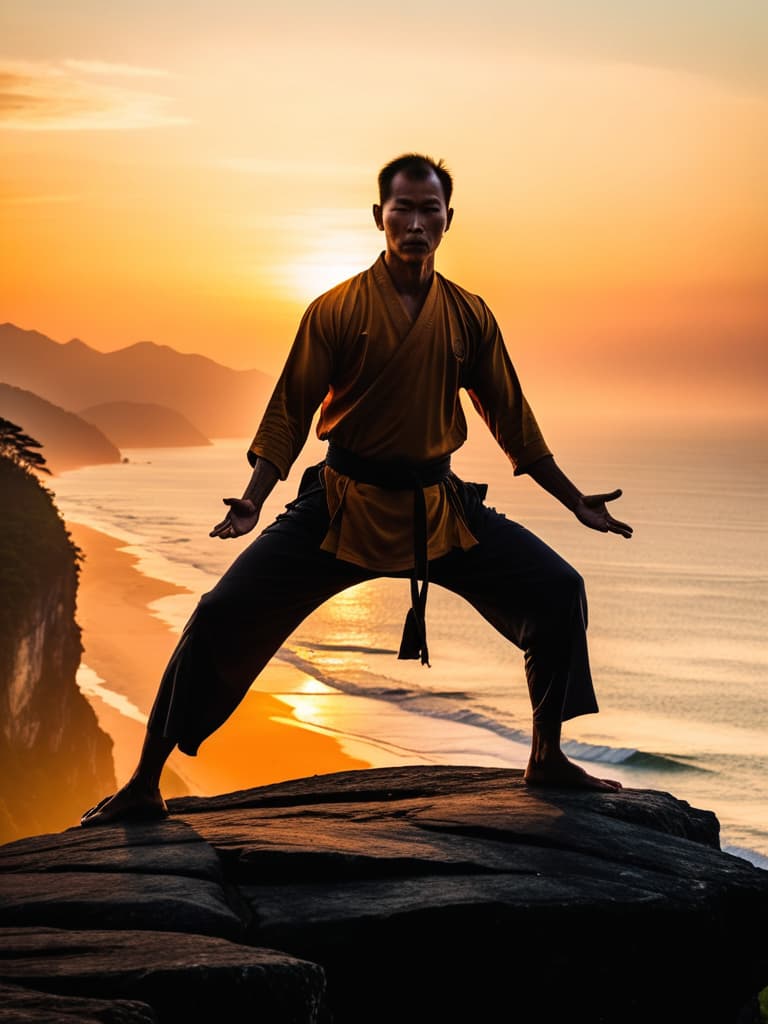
<point>591,511</point>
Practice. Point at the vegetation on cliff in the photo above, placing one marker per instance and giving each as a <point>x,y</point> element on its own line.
<point>34,544</point>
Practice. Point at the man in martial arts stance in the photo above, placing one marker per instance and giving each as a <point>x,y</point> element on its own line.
<point>384,355</point>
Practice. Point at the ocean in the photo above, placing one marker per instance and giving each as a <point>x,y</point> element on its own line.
<point>677,614</point>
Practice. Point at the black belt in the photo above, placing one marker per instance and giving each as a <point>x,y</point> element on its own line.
<point>399,475</point>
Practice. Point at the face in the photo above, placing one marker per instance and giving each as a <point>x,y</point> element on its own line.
<point>414,218</point>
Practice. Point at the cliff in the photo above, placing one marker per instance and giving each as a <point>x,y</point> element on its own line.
<point>403,894</point>
<point>53,755</point>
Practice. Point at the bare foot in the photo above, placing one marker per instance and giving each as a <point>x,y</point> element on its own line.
<point>131,803</point>
<point>559,771</point>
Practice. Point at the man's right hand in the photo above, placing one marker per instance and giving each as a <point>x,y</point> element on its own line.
<point>244,512</point>
<point>241,518</point>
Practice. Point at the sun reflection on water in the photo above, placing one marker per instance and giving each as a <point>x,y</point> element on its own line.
<point>347,620</point>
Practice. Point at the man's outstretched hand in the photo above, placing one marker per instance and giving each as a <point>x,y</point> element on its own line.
<point>241,518</point>
<point>590,509</point>
<point>244,512</point>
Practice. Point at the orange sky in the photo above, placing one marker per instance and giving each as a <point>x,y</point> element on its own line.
<point>196,176</point>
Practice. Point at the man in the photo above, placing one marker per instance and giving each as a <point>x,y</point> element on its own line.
<point>384,355</point>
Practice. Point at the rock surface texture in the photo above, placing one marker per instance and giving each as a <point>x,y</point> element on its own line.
<point>400,894</point>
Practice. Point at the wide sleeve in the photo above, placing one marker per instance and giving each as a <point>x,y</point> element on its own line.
<point>496,394</point>
<point>302,386</point>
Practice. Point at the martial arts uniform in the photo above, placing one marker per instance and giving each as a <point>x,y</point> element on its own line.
<point>388,388</point>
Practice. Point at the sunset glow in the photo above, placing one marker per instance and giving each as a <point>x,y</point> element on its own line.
<point>196,178</point>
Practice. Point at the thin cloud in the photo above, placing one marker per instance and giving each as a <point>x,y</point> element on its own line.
<point>102,67</point>
<point>59,97</point>
<point>286,168</point>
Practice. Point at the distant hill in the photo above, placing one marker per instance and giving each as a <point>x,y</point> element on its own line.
<point>68,441</point>
<point>143,425</point>
<point>220,401</point>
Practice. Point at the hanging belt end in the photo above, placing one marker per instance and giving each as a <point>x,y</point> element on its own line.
<point>413,646</point>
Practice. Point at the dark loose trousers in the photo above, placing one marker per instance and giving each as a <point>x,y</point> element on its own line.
<point>519,584</point>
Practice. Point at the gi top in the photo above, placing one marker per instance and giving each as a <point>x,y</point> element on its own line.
<point>388,387</point>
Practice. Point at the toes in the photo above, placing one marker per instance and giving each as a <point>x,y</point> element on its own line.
<point>102,814</point>
<point>608,785</point>
<point>95,809</point>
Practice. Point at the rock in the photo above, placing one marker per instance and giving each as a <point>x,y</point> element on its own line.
<point>182,977</point>
<point>466,873</point>
<point>169,847</point>
<point>440,893</point>
<point>145,876</point>
<point>27,1006</point>
<point>90,899</point>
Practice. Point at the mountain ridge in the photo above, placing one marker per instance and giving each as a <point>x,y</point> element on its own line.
<point>143,425</point>
<point>218,400</point>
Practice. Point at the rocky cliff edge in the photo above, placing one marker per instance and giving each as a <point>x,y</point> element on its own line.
<point>401,894</point>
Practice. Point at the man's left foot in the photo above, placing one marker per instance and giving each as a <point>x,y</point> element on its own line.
<point>131,803</point>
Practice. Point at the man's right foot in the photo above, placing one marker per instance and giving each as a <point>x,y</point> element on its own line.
<point>558,772</point>
<point>128,804</point>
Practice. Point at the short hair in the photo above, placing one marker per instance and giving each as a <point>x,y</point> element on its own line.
<point>418,166</point>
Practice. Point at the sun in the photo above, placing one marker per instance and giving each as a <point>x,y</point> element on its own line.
<point>313,277</point>
<point>325,256</point>
<point>330,260</point>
